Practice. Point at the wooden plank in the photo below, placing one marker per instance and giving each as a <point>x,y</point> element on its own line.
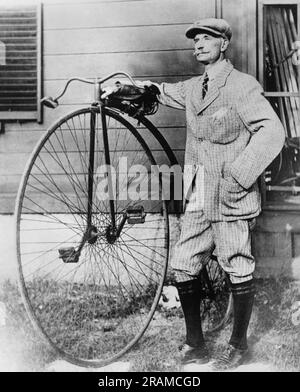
<point>272,244</point>
<point>9,183</point>
<point>240,15</point>
<point>21,115</point>
<point>283,221</point>
<point>136,64</point>
<point>152,12</point>
<point>9,165</point>
<point>7,203</point>
<point>79,92</point>
<point>66,2</point>
<point>117,39</point>
<point>165,117</point>
<point>18,142</point>
<point>267,267</point>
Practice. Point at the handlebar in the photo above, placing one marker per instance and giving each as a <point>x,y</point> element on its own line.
<point>53,102</point>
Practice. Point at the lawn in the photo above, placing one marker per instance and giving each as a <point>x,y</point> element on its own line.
<point>273,337</point>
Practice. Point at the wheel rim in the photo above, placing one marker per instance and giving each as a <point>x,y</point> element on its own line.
<point>94,310</point>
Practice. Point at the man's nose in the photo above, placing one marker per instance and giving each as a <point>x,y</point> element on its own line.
<point>199,45</point>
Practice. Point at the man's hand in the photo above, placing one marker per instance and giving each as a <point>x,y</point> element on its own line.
<point>108,90</point>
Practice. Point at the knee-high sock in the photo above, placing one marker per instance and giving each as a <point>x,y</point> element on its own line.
<point>243,297</point>
<point>189,295</point>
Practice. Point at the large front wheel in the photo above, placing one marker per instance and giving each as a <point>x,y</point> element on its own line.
<point>91,281</point>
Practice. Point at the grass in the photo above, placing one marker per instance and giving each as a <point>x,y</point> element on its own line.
<point>22,349</point>
<point>272,336</point>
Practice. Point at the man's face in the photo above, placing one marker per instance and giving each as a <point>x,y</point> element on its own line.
<point>208,48</point>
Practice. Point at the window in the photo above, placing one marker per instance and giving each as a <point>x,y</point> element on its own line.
<point>20,62</point>
<point>279,74</point>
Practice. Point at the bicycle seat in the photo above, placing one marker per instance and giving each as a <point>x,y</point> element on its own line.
<point>133,100</point>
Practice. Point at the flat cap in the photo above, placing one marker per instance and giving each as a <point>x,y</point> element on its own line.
<point>218,27</point>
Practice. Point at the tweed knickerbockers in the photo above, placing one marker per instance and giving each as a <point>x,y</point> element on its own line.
<point>230,241</point>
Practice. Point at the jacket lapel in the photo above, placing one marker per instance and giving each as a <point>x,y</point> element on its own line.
<point>214,88</point>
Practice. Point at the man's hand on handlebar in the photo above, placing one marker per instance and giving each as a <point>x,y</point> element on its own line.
<point>108,90</point>
<point>111,89</point>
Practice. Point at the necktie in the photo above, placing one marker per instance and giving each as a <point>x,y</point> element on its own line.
<point>205,85</point>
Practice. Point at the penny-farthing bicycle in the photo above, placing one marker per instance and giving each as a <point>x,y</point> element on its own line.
<point>92,253</point>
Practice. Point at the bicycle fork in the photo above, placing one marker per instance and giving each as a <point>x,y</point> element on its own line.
<point>91,233</point>
<point>131,215</point>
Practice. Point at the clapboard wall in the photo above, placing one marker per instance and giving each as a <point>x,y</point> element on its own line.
<point>145,38</point>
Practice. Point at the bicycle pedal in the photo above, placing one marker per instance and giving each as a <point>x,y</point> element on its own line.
<point>68,255</point>
<point>135,215</point>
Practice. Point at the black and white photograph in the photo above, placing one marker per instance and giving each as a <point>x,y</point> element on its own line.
<point>150,189</point>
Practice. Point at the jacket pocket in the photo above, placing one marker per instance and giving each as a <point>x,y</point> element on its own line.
<point>225,128</point>
<point>237,201</point>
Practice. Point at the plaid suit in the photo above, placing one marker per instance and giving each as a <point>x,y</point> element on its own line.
<point>235,134</point>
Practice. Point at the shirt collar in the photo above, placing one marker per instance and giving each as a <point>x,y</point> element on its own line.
<point>215,69</point>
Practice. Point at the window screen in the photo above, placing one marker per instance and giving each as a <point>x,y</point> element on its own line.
<point>281,79</point>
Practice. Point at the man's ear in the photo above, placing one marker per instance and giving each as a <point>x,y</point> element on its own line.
<point>224,44</point>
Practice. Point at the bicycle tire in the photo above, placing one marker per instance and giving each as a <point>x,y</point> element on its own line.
<point>57,307</point>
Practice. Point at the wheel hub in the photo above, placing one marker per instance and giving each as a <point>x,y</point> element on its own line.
<point>92,234</point>
<point>111,234</point>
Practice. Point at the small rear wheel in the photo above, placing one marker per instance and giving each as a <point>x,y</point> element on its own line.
<point>216,298</point>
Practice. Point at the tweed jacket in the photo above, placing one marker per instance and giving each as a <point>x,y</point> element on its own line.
<point>234,133</point>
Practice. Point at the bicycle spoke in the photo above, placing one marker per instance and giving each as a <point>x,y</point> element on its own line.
<point>91,290</point>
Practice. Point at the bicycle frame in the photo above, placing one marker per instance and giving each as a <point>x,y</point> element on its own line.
<point>114,231</point>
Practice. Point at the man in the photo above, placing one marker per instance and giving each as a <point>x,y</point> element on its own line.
<point>233,134</point>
